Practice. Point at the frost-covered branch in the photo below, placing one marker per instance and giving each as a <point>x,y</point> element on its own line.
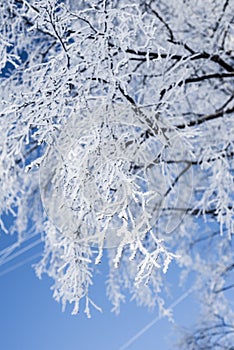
<point>117,119</point>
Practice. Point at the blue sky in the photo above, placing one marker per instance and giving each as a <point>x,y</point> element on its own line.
<point>31,319</point>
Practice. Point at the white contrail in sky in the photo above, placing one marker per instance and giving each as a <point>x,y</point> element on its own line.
<point>155,320</point>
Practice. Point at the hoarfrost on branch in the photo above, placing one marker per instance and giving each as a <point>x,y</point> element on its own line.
<point>117,116</point>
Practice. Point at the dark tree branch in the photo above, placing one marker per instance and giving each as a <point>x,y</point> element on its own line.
<point>195,212</point>
<point>224,289</point>
<point>196,80</point>
<point>142,55</point>
<point>59,39</point>
<point>215,115</point>
<point>161,19</point>
<point>170,31</point>
<point>154,129</point>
